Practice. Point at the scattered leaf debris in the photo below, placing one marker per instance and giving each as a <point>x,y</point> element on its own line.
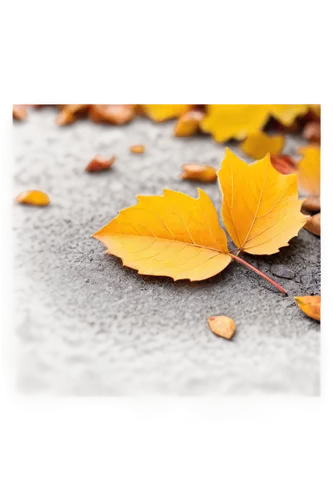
<point>19,112</point>
<point>189,123</point>
<point>313,224</point>
<point>222,326</point>
<point>99,163</point>
<point>311,131</point>
<point>115,114</point>
<point>34,197</point>
<point>137,149</point>
<point>70,113</point>
<point>311,205</point>
<point>196,172</point>
<point>284,164</point>
<point>310,305</point>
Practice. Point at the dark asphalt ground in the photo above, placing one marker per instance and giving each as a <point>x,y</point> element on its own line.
<point>88,326</point>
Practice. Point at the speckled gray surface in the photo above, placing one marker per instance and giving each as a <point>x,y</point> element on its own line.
<point>87,326</point>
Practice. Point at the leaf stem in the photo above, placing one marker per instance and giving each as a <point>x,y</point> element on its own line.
<point>272,282</point>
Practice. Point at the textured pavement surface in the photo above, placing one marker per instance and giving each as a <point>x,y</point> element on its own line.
<point>88,326</point>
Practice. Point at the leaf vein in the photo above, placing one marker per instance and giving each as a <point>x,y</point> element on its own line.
<point>204,262</point>
<point>258,205</point>
<point>267,228</point>
<point>275,204</point>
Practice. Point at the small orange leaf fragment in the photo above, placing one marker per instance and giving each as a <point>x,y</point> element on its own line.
<point>33,197</point>
<point>314,224</point>
<point>222,326</point>
<point>116,114</point>
<point>137,149</point>
<point>312,132</point>
<point>196,172</point>
<point>258,144</point>
<point>188,123</point>
<point>64,118</point>
<point>311,204</point>
<point>19,112</point>
<point>99,163</point>
<point>70,112</point>
<point>76,108</point>
<point>310,305</point>
<point>284,164</point>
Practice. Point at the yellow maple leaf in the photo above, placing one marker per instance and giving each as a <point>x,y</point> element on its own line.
<point>308,169</point>
<point>234,121</point>
<point>260,209</point>
<point>310,305</point>
<point>287,113</point>
<point>163,112</point>
<point>171,235</point>
<point>258,144</point>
